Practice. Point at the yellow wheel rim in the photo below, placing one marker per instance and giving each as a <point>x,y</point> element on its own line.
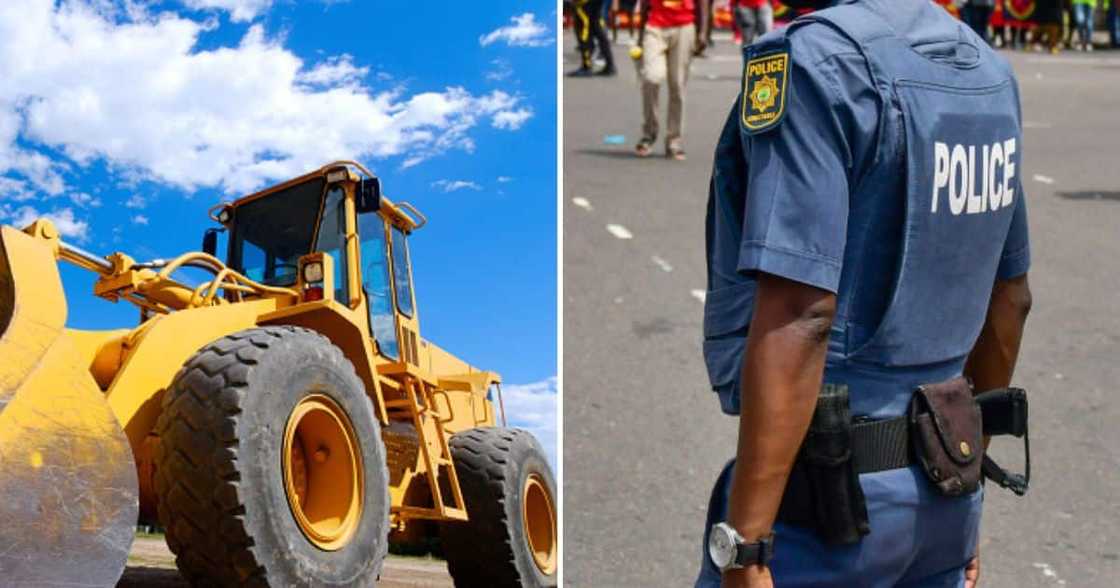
<point>539,520</point>
<point>323,472</point>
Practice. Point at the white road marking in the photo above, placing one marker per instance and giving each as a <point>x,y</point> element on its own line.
<point>1049,572</point>
<point>1043,179</point>
<point>582,203</point>
<point>699,295</point>
<point>1030,124</point>
<point>620,232</point>
<point>661,263</point>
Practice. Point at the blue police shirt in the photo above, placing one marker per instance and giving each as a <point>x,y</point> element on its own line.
<point>875,153</point>
<point>820,198</point>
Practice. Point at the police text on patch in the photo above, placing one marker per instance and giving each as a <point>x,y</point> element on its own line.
<point>956,169</point>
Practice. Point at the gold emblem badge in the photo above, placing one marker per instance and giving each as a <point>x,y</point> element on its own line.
<point>764,92</point>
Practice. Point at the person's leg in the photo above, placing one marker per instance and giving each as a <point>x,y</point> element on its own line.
<point>582,23</point>
<point>1090,16</point>
<point>1079,19</point>
<point>984,15</point>
<point>679,58</point>
<point>747,18</point>
<point>1111,17</point>
<point>765,19</point>
<point>736,27</point>
<point>600,37</point>
<point>652,71</point>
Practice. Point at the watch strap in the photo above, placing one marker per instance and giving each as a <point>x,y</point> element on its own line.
<point>758,553</point>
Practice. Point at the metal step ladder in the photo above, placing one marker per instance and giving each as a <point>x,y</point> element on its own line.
<point>419,403</point>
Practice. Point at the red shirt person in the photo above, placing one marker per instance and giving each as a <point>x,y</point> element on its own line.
<point>668,43</point>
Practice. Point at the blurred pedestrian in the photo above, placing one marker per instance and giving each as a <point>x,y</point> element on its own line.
<point>588,20</point>
<point>1048,15</point>
<point>1113,18</point>
<point>977,13</point>
<point>704,26</point>
<point>1083,18</point>
<point>668,42</point>
<point>755,18</point>
<point>626,7</point>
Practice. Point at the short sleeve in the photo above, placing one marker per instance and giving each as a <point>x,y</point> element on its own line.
<point>796,218</point>
<point>1016,257</point>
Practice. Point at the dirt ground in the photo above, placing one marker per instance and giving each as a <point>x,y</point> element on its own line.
<point>151,565</point>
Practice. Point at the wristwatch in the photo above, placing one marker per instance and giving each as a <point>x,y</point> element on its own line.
<point>730,551</point>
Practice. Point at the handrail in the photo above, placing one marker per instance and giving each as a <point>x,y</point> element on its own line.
<point>409,207</point>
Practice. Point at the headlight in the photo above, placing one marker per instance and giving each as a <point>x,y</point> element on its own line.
<point>313,272</point>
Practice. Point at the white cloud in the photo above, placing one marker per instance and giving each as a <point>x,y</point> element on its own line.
<point>17,190</point>
<point>68,225</point>
<point>136,92</point>
<point>339,70</point>
<point>239,10</point>
<point>139,220</point>
<point>533,407</point>
<point>504,179</point>
<point>524,31</point>
<point>454,185</point>
<point>82,199</point>
<point>500,70</point>
<point>136,201</point>
<point>511,120</point>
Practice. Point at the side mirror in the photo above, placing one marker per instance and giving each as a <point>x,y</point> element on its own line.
<point>368,195</point>
<point>210,241</point>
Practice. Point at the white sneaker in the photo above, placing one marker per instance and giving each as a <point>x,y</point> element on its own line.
<point>1089,48</point>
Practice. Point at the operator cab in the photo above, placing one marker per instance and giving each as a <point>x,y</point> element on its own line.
<point>269,233</point>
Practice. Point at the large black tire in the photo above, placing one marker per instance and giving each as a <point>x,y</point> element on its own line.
<point>492,549</point>
<point>219,474</point>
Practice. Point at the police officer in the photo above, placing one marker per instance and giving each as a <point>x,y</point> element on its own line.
<point>867,246</point>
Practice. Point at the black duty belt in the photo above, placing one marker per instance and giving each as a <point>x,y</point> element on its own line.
<point>885,444</point>
<point>881,445</point>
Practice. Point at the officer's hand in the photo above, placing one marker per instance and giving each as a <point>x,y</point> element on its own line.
<point>972,571</point>
<point>748,577</point>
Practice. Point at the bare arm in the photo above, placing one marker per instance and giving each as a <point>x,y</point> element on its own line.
<point>992,361</point>
<point>781,376</point>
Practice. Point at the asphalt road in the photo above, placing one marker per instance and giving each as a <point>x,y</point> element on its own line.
<point>643,437</point>
<point>152,565</point>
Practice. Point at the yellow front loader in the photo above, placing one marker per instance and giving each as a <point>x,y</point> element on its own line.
<point>278,420</point>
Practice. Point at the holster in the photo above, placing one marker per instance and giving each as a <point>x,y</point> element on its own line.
<point>946,433</point>
<point>823,492</point>
<point>1005,413</point>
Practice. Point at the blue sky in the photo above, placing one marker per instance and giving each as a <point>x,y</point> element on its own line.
<point>125,120</point>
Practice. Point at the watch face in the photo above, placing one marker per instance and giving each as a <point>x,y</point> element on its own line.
<point>721,546</point>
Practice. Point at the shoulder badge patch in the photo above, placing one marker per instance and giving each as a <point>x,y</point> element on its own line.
<point>764,91</point>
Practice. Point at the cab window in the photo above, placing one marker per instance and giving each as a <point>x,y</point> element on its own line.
<point>332,239</point>
<point>270,234</point>
<point>375,282</point>
<point>402,277</point>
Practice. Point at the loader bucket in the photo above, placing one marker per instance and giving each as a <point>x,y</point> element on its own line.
<point>68,490</point>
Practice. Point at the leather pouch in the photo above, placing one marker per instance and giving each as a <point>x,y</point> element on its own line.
<point>947,435</point>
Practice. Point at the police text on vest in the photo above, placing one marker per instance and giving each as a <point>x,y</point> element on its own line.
<point>958,170</point>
